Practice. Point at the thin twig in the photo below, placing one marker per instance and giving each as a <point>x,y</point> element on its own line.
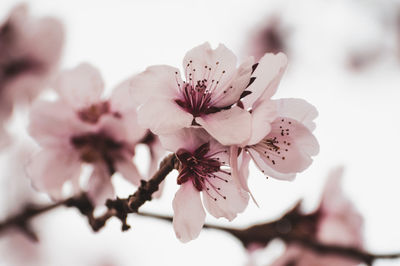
<point>301,226</point>
<point>118,207</point>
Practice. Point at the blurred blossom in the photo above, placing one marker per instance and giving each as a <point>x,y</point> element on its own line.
<point>203,169</point>
<point>338,224</point>
<point>360,60</point>
<point>270,37</point>
<point>18,248</point>
<point>82,127</point>
<point>30,49</point>
<point>157,152</point>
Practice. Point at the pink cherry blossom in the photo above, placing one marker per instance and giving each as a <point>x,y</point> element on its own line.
<point>203,170</point>
<point>206,98</point>
<point>338,224</point>
<point>284,144</point>
<point>289,144</point>
<point>30,49</point>
<point>281,142</point>
<point>82,127</point>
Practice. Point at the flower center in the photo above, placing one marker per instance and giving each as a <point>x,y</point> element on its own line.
<point>197,95</point>
<point>93,113</point>
<point>196,100</point>
<point>201,169</point>
<point>95,147</point>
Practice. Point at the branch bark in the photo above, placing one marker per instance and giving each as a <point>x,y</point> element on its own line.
<point>119,208</point>
<point>264,233</point>
<point>301,225</point>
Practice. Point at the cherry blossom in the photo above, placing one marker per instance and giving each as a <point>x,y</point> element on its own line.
<point>30,50</point>
<point>206,98</point>
<point>338,224</point>
<point>281,143</point>
<point>289,145</point>
<point>82,127</point>
<point>203,170</point>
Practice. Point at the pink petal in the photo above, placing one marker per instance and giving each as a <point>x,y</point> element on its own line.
<point>240,171</point>
<point>267,169</point>
<point>298,109</point>
<point>163,116</point>
<point>99,187</point>
<point>186,138</point>
<point>52,123</point>
<point>156,152</point>
<point>80,86</point>
<point>333,198</point>
<point>159,81</point>
<point>306,257</point>
<point>49,169</point>
<point>236,175</point>
<point>233,91</point>
<point>228,200</point>
<point>134,132</point>
<point>121,98</point>
<point>341,223</point>
<point>295,146</point>
<point>124,112</point>
<point>263,114</point>
<point>232,126</point>
<point>189,214</point>
<point>128,170</point>
<point>200,59</point>
<point>45,38</point>
<point>268,75</point>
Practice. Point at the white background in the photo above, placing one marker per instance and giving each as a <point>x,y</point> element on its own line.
<point>358,123</point>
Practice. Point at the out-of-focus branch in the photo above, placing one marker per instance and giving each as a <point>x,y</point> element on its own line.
<point>119,208</point>
<point>21,220</point>
<point>265,232</point>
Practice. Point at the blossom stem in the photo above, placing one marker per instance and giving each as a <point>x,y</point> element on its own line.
<point>265,232</point>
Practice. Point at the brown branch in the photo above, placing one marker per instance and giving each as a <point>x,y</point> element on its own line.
<point>264,233</point>
<point>293,227</point>
<point>21,220</point>
<point>118,207</point>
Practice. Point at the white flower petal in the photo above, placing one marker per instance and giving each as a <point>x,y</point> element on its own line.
<point>223,197</point>
<point>81,86</point>
<point>232,126</point>
<point>189,214</point>
<point>163,116</point>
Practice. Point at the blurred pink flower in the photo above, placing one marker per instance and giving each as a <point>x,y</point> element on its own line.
<point>338,224</point>
<point>30,50</point>
<point>81,127</point>
<point>281,142</point>
<point>157,152</point>
<point>270,37</point>
<point>207,98</point>
<point>204,169</point>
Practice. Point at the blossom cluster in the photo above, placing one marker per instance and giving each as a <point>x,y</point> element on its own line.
<point>216,117</point>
